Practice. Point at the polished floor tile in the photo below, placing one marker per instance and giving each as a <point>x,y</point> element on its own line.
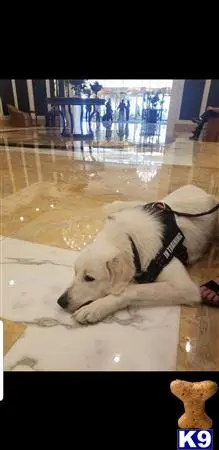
<point>199,332</point>
<point>56,197</point>
<point>34,277</point>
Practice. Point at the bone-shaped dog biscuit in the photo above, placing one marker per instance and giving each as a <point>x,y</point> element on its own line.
<point>194,396</point>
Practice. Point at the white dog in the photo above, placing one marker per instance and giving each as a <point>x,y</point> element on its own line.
<point>105,269</point>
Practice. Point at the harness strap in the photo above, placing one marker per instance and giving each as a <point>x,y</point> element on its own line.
<point>137,261</point>
<point>172,245</point>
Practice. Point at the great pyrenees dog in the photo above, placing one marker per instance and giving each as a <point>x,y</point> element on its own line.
<point>105,270</point>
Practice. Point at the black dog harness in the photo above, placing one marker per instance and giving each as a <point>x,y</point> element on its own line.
<point>172,245</point>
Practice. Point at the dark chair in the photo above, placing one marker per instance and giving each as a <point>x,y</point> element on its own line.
<point>211,131</point>
<point>19,118</point>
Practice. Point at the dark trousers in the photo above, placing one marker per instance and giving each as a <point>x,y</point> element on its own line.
<point>204,118</point>
<point>97,116</point>
<point>109,116</point>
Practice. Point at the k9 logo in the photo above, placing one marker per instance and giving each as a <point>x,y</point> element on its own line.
<point>195,439</point>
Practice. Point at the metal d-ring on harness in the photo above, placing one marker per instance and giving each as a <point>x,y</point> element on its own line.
<point>172,242</point>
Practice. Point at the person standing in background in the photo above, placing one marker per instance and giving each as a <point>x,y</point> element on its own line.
<point>127,110</point>
<point>109,111</point>
<point>122,108</point>
<point>97,110</point>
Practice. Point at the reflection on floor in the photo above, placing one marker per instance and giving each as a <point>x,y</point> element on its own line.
<point>105,134</point>
<point>55,198</point>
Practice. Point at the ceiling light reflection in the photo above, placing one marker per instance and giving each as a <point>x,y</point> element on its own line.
<point>147,174</point>
<point>188,345</point>
<point>116,358</point>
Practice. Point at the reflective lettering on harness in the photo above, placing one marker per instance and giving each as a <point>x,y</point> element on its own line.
<point>166,254</point>
<point>171,247</point>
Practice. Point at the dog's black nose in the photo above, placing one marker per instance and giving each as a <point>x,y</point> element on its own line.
<point>63,300</point>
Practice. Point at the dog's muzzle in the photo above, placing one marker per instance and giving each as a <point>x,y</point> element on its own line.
<point>63,300</point>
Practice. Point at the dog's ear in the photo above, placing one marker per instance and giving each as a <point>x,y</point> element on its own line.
<point>120,272</point>
<point>112,267</point>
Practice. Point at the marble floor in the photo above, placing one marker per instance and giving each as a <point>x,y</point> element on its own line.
<point>51,207</point>
<point>115,135</point>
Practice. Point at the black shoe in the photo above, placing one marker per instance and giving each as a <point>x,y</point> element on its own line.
<point>194,120</point>
<point>193,138</point>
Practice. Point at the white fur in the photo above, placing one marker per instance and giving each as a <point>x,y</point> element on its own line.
<point>109,259</point>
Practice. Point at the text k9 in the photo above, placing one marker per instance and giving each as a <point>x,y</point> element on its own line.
<point>195,439</point>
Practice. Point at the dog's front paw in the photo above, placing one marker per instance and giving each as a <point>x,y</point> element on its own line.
<point>92,313</point>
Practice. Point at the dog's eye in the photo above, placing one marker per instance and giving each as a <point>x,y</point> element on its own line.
<point>88,278</point>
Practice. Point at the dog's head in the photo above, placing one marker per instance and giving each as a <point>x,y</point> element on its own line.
<point>100,270</point>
